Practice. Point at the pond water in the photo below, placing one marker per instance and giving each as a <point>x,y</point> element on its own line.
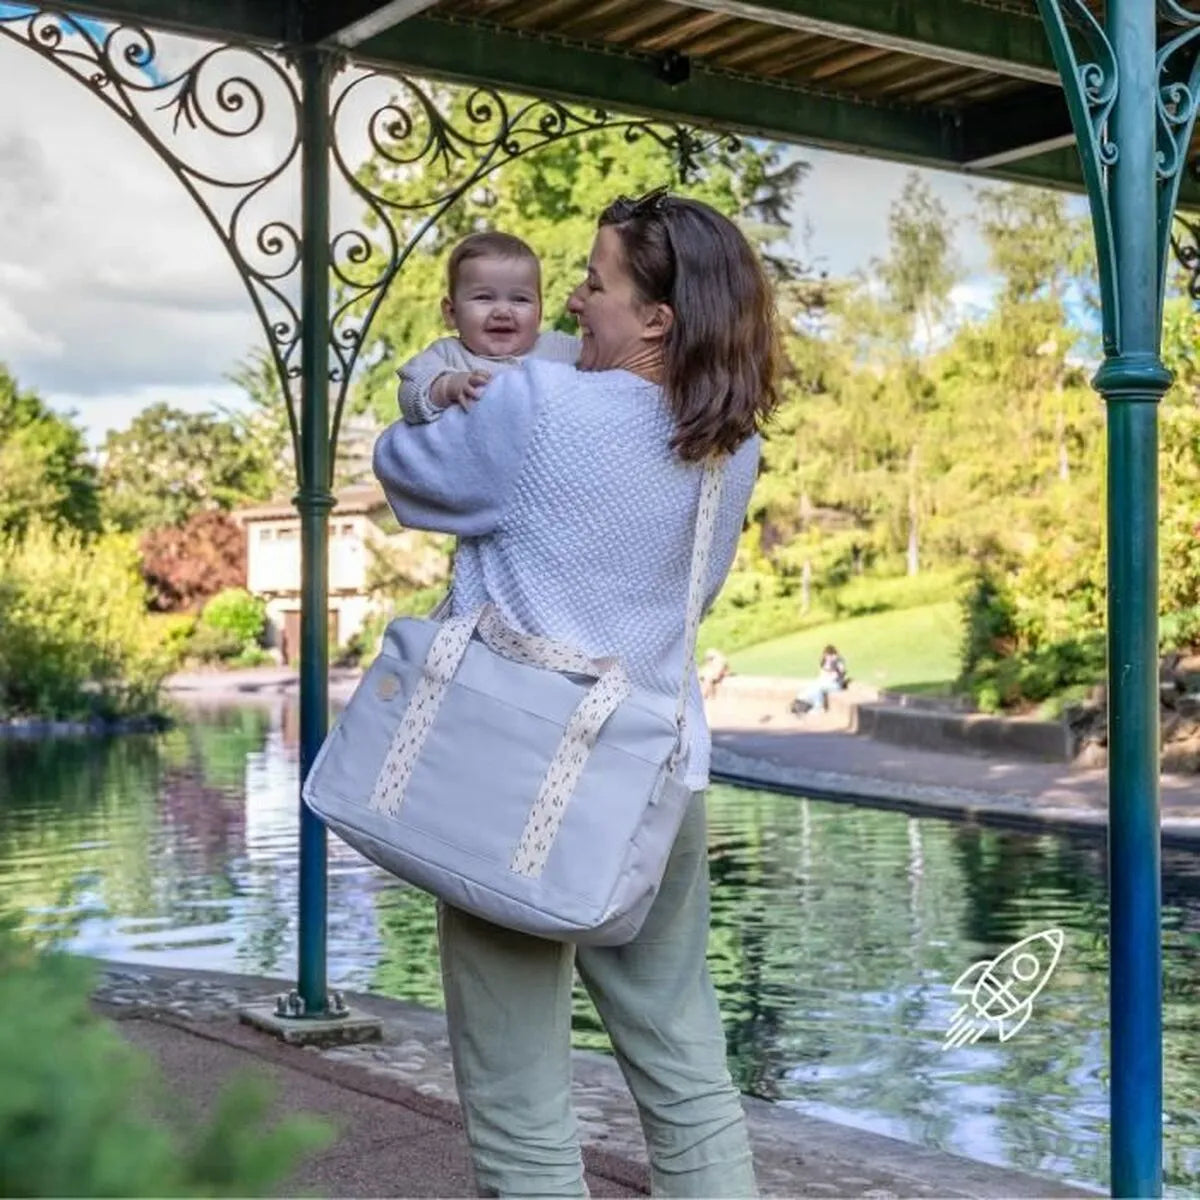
<point>836,932</point>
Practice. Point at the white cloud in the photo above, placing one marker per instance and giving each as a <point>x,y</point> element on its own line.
<point>973,297</point>
<point>112,280</point>
<point>18,337</point>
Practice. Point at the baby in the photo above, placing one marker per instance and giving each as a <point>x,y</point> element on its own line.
<point>494,304</point>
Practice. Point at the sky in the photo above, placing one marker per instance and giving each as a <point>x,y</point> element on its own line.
<point>115,293</point>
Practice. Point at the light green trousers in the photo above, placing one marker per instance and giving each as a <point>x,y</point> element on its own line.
<point>508,1003</point>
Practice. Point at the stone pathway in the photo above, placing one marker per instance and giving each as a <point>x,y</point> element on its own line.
<point>754,742</point>
<point>795,1155</point>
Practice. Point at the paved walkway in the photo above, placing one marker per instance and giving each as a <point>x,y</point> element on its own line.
<point>399,1130</point>
<point>757,743</point>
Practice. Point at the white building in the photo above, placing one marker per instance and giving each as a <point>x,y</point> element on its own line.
<point>360,526</point>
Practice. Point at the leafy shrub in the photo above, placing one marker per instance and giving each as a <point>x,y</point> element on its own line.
<point>1179,630</point>
<point>989,622</point>
<point>209,645</point>
<point>172,633</point>
<point>1037,675</point>
<point>235,611</point>
<point>753,606</point>
<point>184,565</point>
<point>865,594</point>
<point>252,656</point>
<point>1008,660</point>
<point>74,1116</point>
<point>74,637</point>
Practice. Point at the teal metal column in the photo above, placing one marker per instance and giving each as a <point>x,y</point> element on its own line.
<point>1114,103</point>
<point>1132,382</point>
<point>314,501</point>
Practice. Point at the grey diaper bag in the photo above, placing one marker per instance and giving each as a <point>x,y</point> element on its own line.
<point>513,776</point>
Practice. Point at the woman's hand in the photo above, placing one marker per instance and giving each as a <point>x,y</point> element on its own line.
<point>459,387</point>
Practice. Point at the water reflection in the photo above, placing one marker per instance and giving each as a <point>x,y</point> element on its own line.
<point>836,932</point>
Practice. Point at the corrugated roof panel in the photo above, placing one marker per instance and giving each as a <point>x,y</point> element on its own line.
<point>738,44</point>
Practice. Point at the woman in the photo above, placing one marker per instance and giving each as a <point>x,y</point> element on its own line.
<point>573,492</point>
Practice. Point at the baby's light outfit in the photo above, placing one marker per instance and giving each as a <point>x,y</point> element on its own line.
<point>449,354</point>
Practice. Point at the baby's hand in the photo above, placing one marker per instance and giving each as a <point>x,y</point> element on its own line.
<point>459,387</point>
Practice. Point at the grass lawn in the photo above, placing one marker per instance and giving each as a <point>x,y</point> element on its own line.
<point>914,649</point>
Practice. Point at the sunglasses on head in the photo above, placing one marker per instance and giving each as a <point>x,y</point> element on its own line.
<point>626,208</point>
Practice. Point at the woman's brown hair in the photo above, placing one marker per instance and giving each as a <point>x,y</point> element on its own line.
<point>721,354</point>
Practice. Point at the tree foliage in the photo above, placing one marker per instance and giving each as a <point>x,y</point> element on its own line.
<point>169,464</point>
<point>186,564</point>
<point>74,636</point>
<point>45,474</point>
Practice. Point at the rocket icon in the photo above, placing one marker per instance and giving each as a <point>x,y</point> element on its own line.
<point>1001,991</point>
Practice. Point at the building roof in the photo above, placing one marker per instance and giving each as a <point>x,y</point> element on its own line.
<point>967,85</point>
<point>362,498</point>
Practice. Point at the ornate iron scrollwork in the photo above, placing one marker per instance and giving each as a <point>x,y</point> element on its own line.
<point>1185,244</point>
<point>1185,241</point>
<point>1091,91</point>
<point>1178,98</point>
<point>1070,23</point>
<point>192,117</point>
<point>195,105</point>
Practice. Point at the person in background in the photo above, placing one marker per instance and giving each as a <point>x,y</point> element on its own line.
<point>713,669</point>
<point>831,677</point>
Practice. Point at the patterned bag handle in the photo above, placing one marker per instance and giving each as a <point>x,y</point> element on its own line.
<point>711,486</point>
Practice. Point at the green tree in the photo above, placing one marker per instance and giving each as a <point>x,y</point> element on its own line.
<point>45,474</point>
<point>857,445</point>
<point>265,422</point>
<point>921,267</point>
<point>170,464</point>
<point>918,275</point>
<point>551,198</point>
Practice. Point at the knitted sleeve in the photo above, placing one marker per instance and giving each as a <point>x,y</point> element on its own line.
<point>456,474</point>
<point>417,378</point>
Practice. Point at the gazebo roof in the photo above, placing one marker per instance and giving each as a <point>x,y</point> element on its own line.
<point>967,85</point>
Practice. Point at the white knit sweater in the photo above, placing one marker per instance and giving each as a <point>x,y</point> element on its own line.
<point>574,516</point>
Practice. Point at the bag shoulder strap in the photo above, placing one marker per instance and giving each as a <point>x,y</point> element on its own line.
<point>711,486</point>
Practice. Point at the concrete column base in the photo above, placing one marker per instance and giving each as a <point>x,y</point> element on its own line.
<point>313,1031</point>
